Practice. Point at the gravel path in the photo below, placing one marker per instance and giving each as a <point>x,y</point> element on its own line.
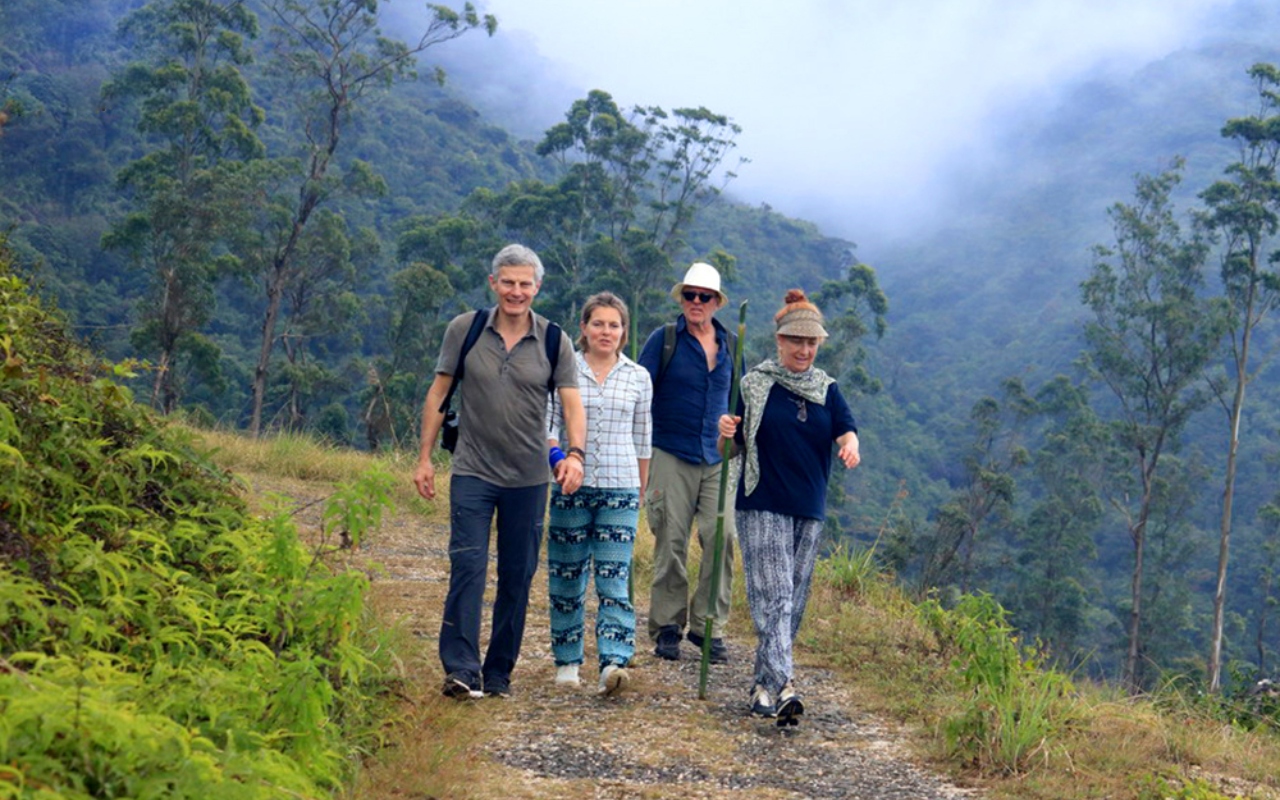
<point>656,739</point>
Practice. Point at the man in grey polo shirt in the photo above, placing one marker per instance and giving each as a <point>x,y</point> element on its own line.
<point>499,467</point>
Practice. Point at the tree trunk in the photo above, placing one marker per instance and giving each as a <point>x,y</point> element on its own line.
<point>1130,677</point>
<point>1224,541</point>
<point>1228,496</point>
<point>1261,641</point>
<point>1139,536</point>
<point>158,391</point>
<point>277,283</point>
<point>275,291</point>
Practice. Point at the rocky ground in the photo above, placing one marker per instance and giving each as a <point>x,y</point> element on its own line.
<point>659,740</point>
<point>654,740</point>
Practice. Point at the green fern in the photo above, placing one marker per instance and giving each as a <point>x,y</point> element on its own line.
<point>156,640</point>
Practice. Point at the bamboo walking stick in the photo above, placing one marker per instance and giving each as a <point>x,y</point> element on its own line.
<point>717,560</point>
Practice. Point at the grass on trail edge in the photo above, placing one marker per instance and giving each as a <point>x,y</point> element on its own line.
<point>979,705</point>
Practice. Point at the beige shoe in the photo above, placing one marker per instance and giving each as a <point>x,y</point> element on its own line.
<point>613,679</point>
<point>761,704</point>
<point>790,706</point>
<point>567,675</point>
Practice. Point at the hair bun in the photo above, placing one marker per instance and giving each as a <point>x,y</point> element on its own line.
<point>794,296</point>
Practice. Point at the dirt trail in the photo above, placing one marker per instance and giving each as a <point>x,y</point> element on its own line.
<point>656,739</point>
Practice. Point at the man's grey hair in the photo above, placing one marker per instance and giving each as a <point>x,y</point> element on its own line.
<point>517,255</point>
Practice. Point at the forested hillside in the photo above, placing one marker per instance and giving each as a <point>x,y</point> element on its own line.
<point>274,225</point>
<point>995,294</point>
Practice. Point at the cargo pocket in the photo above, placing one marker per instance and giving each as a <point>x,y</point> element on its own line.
<point>655,509</point>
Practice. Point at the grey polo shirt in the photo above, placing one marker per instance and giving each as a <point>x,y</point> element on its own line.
<point>502,400</point>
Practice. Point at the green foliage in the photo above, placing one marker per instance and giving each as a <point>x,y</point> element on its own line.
<point>1151,341</point>
<point>618,218</point>
<point>155,640</point>
<point>849,569</point>
<point>1154,787</point>
<point>1013,708</point>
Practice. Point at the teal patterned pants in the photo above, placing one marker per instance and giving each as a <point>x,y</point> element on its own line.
<point>592,531</point>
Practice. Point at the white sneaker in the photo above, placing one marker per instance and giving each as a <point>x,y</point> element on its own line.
<point>613,679</point>
<point>567,675</point>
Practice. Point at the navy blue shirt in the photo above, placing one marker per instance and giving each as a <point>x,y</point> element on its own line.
<point>689,400</point>
<point>795,455</point>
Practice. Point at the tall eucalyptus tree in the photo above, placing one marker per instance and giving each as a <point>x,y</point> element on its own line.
<point>194,103</point>
<point>334,55</point>
<point>634,181</point>
<point>1243,209</point>
<point>1151,339</point>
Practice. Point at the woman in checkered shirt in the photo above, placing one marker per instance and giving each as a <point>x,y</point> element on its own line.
<point>593,530</point>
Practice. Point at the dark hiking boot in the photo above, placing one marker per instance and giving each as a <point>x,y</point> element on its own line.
<point>497,687</point>
<point>668,644</point>
<point>461,686</point>
<point>719,653</point>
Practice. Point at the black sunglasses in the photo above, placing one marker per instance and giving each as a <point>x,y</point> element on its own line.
<point>704,297</point>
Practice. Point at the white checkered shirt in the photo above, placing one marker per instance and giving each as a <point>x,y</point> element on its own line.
<point>619,426</point>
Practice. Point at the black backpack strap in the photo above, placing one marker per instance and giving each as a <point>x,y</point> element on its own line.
<point>473,335</point>
<point>552,342</point>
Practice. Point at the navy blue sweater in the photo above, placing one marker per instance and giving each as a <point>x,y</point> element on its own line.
<point>795,456</point>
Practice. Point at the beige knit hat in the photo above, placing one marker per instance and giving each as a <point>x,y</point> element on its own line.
<point>799,317</point>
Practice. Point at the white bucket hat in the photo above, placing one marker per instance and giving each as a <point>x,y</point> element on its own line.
<point>703,276</point>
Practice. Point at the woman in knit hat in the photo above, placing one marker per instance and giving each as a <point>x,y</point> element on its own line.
<point>789,414</point>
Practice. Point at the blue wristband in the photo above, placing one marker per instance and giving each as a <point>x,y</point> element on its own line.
<point>554,456</point>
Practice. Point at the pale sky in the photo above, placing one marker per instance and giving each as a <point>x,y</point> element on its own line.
<point>848,109</point>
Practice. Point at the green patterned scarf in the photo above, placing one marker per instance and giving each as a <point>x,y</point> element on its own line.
<point>812,385</point>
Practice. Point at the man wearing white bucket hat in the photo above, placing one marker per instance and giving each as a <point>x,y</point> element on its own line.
<point>691,363</point>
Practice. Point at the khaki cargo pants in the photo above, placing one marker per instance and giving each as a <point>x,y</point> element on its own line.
<point>678,494</point>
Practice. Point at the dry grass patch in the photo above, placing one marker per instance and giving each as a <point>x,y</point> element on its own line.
<point>1120,746</point>
<point>876,640</point>
<point>299,458</point>
<point>868,630</point>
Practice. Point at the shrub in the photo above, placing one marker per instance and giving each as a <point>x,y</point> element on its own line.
<point>1013,706</point>
<point>155,640</point>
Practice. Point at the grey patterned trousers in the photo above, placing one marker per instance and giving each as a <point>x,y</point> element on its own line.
<point>778,556</point>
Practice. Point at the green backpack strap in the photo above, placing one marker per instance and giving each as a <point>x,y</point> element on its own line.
<point>668,350</point>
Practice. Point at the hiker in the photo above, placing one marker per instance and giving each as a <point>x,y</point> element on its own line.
<point>499,466</point>
<point>793,412</point>
<point>593,530</point>
<point>691,364</point>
